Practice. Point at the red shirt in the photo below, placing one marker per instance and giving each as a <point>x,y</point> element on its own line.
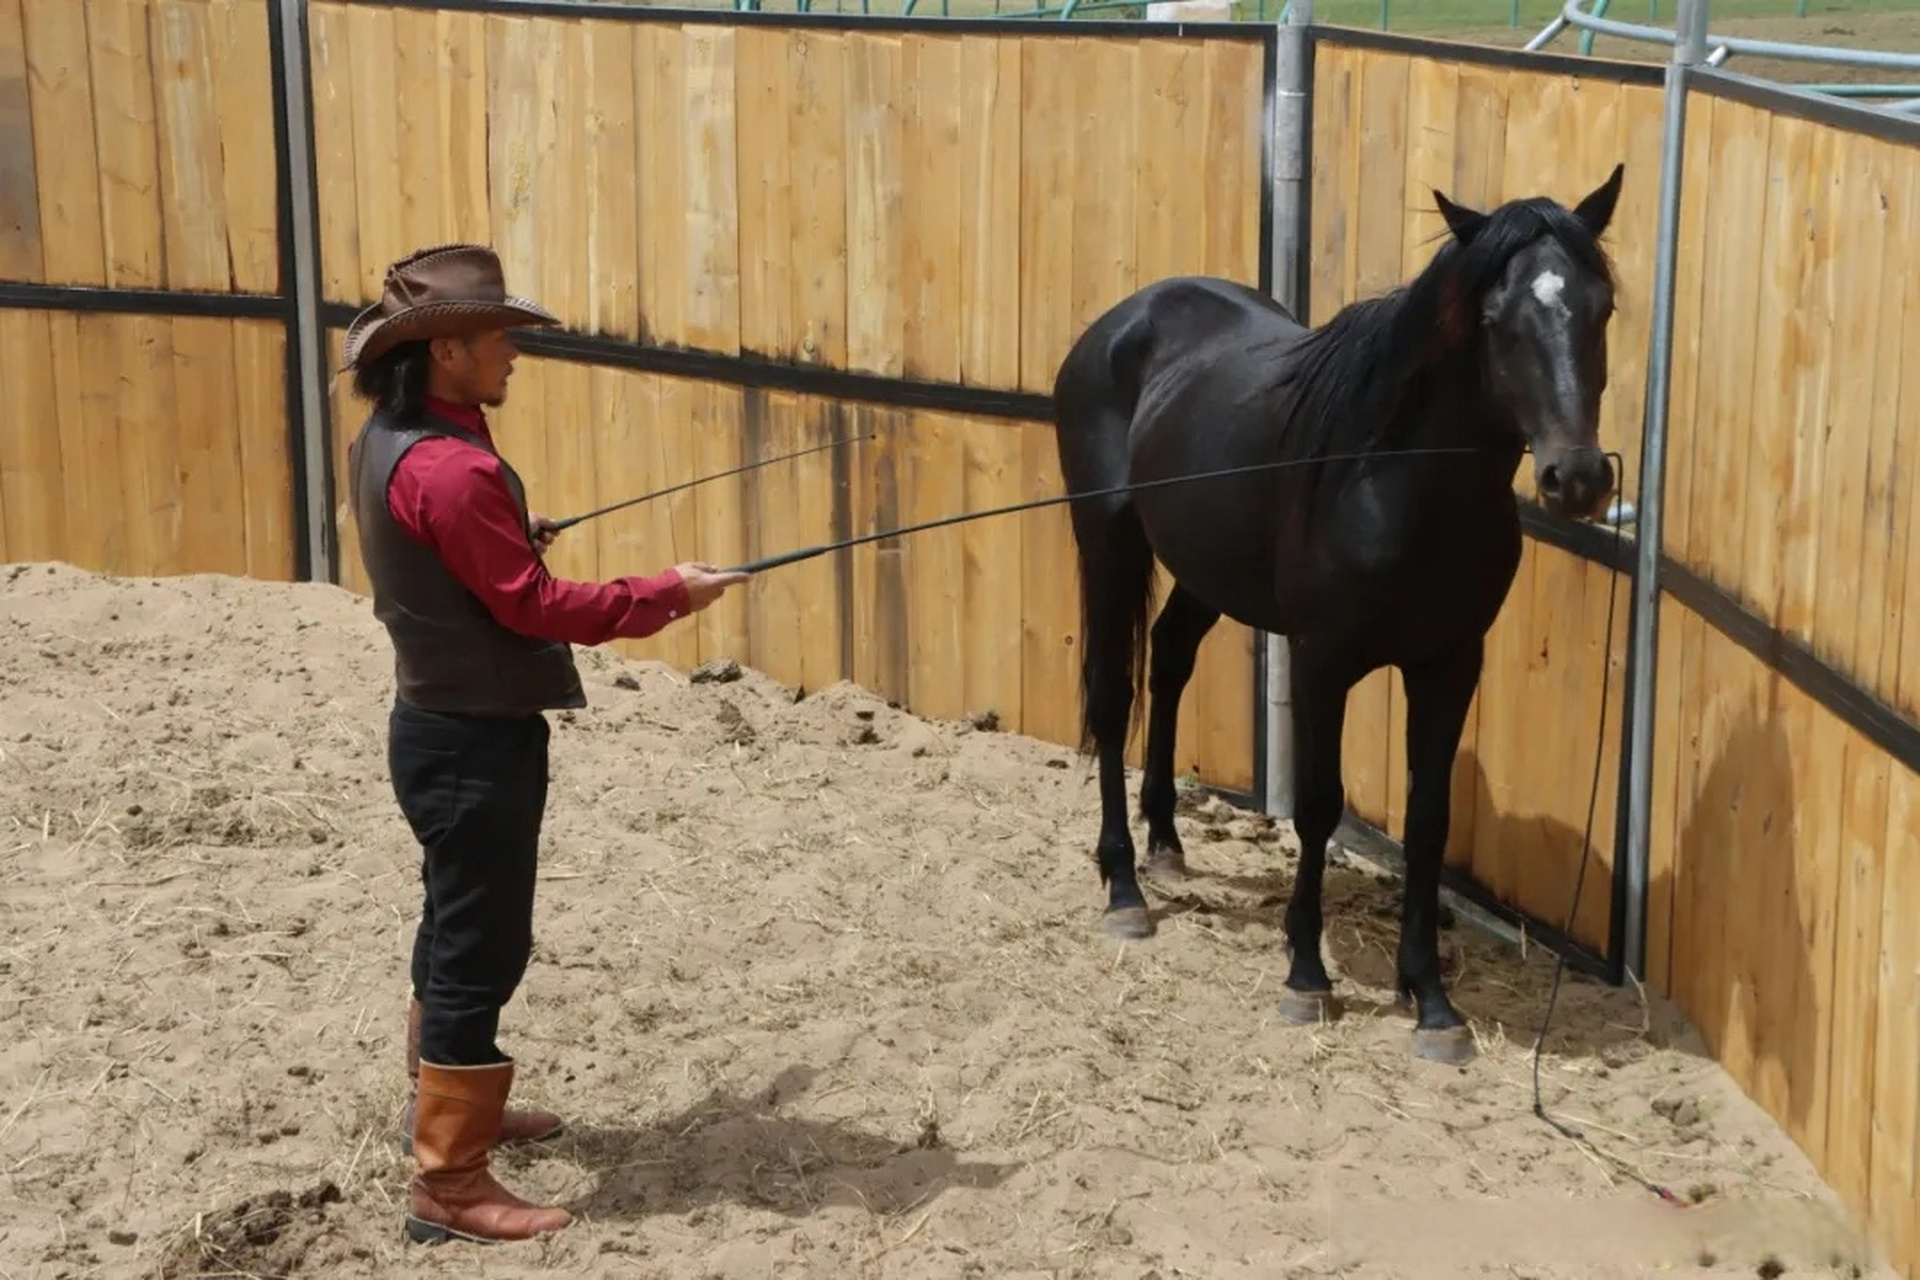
<point>453,497</point>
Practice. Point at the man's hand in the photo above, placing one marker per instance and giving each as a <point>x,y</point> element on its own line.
<point>704,583</point>
<point>543,531</point>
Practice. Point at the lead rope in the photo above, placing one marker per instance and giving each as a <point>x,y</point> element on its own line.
<point>1586,853</point>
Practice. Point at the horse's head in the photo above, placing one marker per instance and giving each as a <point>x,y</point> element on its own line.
<point>1544,297</point>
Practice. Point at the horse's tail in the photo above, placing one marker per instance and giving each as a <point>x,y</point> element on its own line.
<point>1094,398</point>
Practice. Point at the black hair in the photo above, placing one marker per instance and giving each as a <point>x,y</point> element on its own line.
<point>397,381</point>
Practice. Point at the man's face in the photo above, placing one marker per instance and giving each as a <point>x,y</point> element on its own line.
<point>475,368</point>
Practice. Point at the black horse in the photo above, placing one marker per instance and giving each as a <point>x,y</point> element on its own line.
<point>1397,557</point>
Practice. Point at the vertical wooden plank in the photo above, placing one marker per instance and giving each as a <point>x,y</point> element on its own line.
<point>211,481</point>
<point>819,505</point>
<point>142,392</point>
<point>992,570</point>
<point>770,425</point>
<point>32,474</point>
<point>1050,675</point>
<point>127,139</point>
<point>95,505</point>
<point>159,492</point>
<point>820,139</point>
<point>1335,180</point>
<point>660,105</point>
<point>419,182</point>
<point>769,209</point>
<point>875,149</point>
<point>562,204</point>
<point>613,230</point>
<point>933,567</point>
<point>1896,1049</point>
<point>461,110</point>
<point>241,68</point>
<point>1048,80</point>
<point>717,446</point>
<point>931,208</point>
<point>1754,565</point>
<point>266,464</point>
<point>573,433</point>
<point>520,91</point>
<point>376,152</point>
<point>675,459</point>
<point>1893,1184</point>
<point>1433,95</point>
<point>337,170</point>
<point>991,225</point>
<point>60,102</point>
<point>192,172</point>
<point>20,249</point>
<point>712,212</point>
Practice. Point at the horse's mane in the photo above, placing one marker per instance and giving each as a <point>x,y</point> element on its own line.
<point>1359,367</point>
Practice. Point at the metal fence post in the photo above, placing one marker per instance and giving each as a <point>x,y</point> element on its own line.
<point>306,350</point>
<point>1292,114</point>
<point>1689,50</point>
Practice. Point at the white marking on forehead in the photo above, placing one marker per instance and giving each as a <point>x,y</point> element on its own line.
<point>1547,286</point>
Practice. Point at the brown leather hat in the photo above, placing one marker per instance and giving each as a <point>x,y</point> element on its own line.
<point>439,292</point>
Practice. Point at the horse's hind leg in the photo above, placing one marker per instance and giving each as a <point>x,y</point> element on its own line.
<point>1116,583</point>
<point>1177,634</point>
<point>1322,673</point>
<point>1439,693</point>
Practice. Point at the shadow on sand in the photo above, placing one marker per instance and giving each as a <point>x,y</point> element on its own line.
<point>727,1148</point>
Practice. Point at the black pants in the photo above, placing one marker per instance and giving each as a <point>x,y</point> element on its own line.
<point>474,790</point>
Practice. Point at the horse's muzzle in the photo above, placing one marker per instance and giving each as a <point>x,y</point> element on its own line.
<point>1574,482</point>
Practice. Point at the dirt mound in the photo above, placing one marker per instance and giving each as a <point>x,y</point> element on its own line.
<point>818,985</point>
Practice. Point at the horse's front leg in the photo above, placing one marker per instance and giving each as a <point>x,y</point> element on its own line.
<point>1322,674</point>
<point>1438,695</point>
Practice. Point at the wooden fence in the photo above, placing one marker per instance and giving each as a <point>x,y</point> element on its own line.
<point>758,241</point>
<point>771,193</point>
<point>132,158</point>
<point>1786,809</point>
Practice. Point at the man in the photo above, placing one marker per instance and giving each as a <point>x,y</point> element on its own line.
<point>482,638</point>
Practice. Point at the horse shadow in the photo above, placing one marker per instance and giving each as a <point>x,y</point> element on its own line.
<point>1745,893</point>
<point>730,1148</point>
<point>1735,915</point>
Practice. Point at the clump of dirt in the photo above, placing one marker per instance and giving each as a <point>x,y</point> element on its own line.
<point>265,1236</point>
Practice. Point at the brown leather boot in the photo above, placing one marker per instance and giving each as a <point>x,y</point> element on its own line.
<point>515,1126</point>
<point>454,1194</point>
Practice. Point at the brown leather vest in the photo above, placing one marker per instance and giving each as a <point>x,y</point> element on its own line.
<point>449,654</point>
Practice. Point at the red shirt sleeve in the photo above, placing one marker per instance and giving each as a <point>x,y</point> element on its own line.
<point>452,497</point>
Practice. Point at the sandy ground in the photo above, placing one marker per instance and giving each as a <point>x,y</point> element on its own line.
<point>818,984</point>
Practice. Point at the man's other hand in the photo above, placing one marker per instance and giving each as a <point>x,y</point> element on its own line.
<point>543,531</point>
<point>704,583</point>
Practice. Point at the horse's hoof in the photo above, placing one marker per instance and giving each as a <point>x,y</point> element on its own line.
<point>1131,923</point>
<point>1449,1045</point>
<point>1307,1008</point>
<point>1167,864</point>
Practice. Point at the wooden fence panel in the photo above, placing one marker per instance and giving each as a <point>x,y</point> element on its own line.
<point>1779,909</point>
<point>134,145</point>
<point>1388,128</point>
<point>145,444</point>
<point>773,193</point>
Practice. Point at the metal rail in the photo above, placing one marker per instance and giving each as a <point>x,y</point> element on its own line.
<point>1720,48</point>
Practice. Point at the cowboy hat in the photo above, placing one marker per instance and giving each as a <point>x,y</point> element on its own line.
<point>439,292</point>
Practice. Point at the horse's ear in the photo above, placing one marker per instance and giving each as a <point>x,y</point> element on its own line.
<point>1597,209</point>
<point>1465,223</point>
